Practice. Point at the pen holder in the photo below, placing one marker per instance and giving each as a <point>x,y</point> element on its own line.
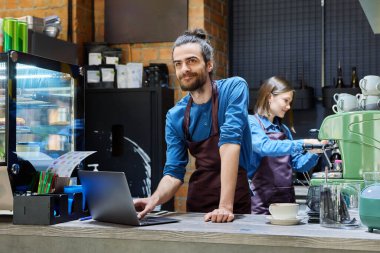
<point>71,191</point>
<point>46,209</point>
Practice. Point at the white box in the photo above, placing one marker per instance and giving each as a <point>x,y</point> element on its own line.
<point>112,60</point>
<point>122,80</point>
<point>130,75</point>
<point>94,58</point>
<point>134,75</point>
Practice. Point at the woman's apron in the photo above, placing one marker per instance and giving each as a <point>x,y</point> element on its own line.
<point>273,180</point>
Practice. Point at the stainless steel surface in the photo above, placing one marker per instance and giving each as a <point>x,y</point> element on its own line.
<point>51,31</point>
<point>331,174</point>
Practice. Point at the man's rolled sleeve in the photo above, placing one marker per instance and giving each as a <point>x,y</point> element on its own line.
<point>176,152</point>
<point>236,115</point>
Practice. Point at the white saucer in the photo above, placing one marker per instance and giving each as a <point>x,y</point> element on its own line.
<point>286,222</point>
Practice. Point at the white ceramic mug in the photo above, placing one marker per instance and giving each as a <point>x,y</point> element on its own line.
<point>336,109</point>
<point>369,102</point>
<point>338,96</point>
<point>345,103</point>
<point>284,211</point>
<point>360,97</point>
<point>370,85</point>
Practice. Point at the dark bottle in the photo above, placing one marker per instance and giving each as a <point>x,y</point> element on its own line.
<point>339,80</point>
<point>302,84</point>
<point>354,78</point>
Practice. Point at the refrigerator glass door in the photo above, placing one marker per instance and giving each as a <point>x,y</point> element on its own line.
<point>44,114</point>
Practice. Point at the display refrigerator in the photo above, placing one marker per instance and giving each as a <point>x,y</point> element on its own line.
<point>41,114</point>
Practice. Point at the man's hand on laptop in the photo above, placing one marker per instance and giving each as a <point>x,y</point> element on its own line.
<point>145,205</point>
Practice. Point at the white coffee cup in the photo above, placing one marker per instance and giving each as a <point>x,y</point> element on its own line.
<point>284,211</point>
<point>338,96</point>
<point>369,102</point>
<point>370,85</point>
<point>345,103</point>
<point>360,98</point>
<point>336,109</point>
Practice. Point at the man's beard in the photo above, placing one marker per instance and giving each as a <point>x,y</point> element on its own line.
<point>199,81</point>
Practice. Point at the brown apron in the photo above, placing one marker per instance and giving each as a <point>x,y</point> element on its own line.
<point>204,184</point>
<point>273,180</point>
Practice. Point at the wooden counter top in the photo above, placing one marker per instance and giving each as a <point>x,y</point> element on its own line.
<point>248,233</point>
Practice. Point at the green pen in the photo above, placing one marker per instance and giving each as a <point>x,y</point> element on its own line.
<point>39,183</point>
<point>44,183</point>
<point>49,182</point>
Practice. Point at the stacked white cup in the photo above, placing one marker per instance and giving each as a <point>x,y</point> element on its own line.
<point>345,103</point>
<point>370,97</point>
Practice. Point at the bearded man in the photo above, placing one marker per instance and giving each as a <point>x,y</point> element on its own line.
<point>210,122</point>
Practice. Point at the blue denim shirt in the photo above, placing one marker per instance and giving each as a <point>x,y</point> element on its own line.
<point>232,120</point>
<point>262,146</point>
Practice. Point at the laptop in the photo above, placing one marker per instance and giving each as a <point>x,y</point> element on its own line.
<point>109,199</point>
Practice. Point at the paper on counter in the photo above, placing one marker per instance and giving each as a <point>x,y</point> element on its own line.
<point>33,155</point>
<point>64,165</point>
<point>39,160</point>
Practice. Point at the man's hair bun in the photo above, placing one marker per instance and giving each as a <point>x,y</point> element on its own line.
<point>199,33</point>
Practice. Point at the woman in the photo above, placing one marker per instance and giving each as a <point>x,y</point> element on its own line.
<point>275,152</point>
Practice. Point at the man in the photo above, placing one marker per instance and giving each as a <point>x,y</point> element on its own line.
<point>211,122</point>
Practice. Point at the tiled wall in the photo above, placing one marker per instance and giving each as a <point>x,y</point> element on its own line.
<point>284,37</point>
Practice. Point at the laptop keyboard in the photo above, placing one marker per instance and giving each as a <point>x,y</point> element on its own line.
<point>148,220</point>
<point>153,220</point>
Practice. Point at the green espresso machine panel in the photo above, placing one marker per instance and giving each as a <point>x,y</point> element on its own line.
<point>358,137</point>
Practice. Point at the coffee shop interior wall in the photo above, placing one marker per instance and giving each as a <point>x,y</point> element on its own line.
<point>87,25</point>
<point>208,14</point>
<point>267,37</point>
<point>284,37</point>
<point>78,13</point>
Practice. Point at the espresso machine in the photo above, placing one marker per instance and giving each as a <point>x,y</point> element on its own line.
<point>357,135</point>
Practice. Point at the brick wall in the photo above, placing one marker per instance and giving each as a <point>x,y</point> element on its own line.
<point>81,16</point>
<point>216,23</point>
<point>37,8</point>
<point>208,14</point>
<point>82,25</point>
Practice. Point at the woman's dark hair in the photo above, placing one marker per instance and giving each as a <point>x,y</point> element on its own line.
<point>275,86</point>
<point>200,37</point>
